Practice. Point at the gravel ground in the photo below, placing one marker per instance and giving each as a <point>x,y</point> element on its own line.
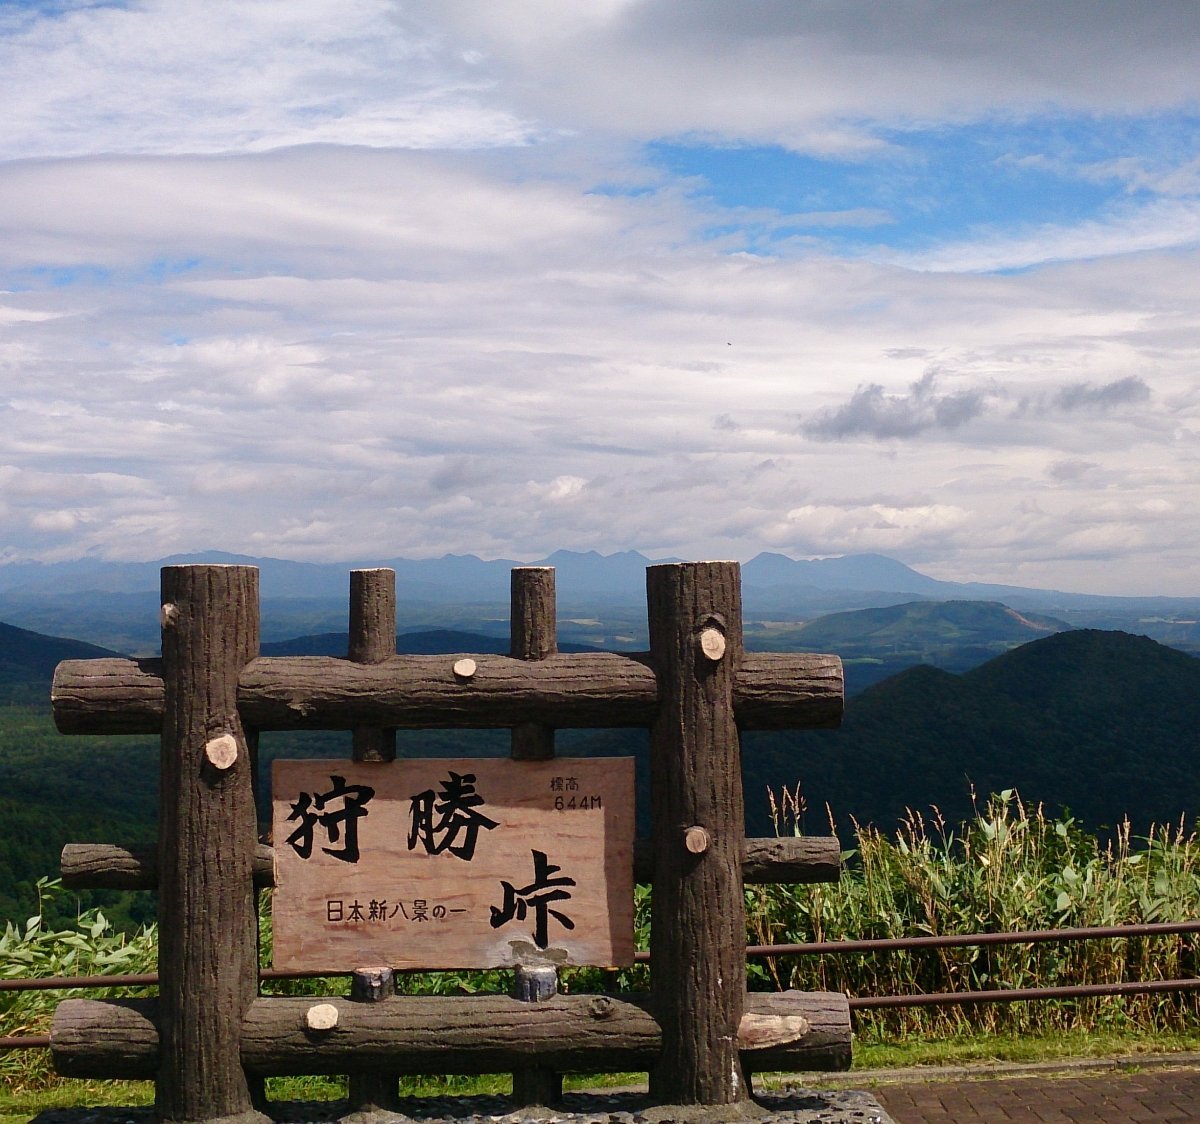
<point>802,1106</point>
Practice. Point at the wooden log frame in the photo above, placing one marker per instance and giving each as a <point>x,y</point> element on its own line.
<point>698,922</point>
<point>372,639</point>
<point>452,1034</point>
<point>577,689</point>
<point>207,922</point>
<point>533,635</point>
<point>209,1041</point>
<point>787,861</point>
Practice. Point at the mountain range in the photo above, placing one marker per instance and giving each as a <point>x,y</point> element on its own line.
<point>601,597</point>
<point>586,574</point>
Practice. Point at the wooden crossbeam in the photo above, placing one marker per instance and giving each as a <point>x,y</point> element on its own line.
<point>788,861</point>
<point>451,1034</point>
<point>579,689</point>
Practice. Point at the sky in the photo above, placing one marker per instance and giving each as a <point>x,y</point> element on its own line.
<point>355,279</point>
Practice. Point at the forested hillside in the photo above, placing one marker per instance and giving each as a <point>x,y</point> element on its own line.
<point>1103,723</point>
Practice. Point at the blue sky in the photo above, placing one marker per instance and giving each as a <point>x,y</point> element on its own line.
<point>339,278</point>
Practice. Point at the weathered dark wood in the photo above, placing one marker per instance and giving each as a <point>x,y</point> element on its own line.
<point>373,640</point>
<point>108,696</point>
<point>533,635</point>
<point>105,1038</point>
<point>789,691</point>
<point>114,866</point>
<point>535,1084</point>
<point>698,923</point>
<point>791,860</point>
<point>208,937</point>
<point>374,1090</point>
<point>448,1034</point>
<point>565,690</point>
<point>533,620</point>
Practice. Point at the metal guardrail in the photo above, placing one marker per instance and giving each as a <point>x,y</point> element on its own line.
<point>810,948</point>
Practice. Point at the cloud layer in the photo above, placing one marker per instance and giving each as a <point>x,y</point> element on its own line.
<point>321,280</point>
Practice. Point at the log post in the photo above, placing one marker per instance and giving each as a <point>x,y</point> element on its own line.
<point>373,640</point>
<point>698,927</point>
<point>208,937</point>
<point>533,635</point>
<point>533,632</point>
<point>373,1091</point>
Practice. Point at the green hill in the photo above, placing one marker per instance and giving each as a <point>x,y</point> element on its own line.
<point>923,625</point>
<point>28,659</point>
<point>1104,724</point>
<point>876,644</point>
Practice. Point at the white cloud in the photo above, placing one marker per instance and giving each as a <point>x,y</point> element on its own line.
<point>321,279</point>
<point>173,77</point>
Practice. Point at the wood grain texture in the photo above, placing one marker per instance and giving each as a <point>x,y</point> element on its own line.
<point>372,639</point>
<point>108,696</point>
<point>585,689</point>
<point>791,860</point>
<point>535,865</point>
<point>442,1034</point>
<point>207,923</point>
<point>698,923</point>
<point>533,635</point>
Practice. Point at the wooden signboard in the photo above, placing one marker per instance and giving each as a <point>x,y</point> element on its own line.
<point>453,863</point>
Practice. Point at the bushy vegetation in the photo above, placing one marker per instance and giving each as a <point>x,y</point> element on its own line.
<point>91,946</point>
<point>1010,867</point>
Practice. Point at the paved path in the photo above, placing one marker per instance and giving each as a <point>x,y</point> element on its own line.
<point>1163,1089</point>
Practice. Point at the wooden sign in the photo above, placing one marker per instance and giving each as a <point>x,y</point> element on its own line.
<point>453,863</point>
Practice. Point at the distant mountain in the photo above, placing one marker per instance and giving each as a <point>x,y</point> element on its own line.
<point>1103,723</point>
<point>926,625</point>
<point>875,644</point>
<point>461,578</point>
<point>434,642</point>
<point>28,659</point>
<point>464,577</point>
<point>862,572</point>
<point>601,598</point>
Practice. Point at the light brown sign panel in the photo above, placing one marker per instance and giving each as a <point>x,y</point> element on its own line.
<point>453,863</point>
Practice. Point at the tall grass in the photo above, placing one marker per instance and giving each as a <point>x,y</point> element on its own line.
<point>91,947</point>
<point>1011,867</point>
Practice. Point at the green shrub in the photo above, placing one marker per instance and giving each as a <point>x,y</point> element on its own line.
<point>91,947</point>
<point>1009,868</point>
